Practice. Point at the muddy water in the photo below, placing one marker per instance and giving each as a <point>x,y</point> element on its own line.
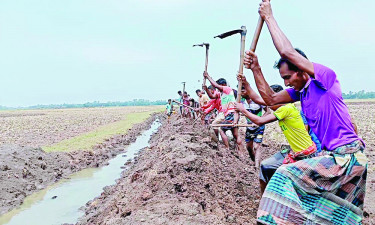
<point>61,202</point>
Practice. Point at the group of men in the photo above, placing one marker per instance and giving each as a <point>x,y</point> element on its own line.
<point>322,179</point>
<point>187,105</point>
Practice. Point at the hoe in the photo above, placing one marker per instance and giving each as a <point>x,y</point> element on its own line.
<point>207,45</point>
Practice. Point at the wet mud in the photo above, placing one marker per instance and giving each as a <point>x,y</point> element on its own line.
<point>185,178</point>
<point>182,178</point>
<point>25,170</point>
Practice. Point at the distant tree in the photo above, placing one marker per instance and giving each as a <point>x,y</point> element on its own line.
<point>359,95</point>
<point>135,102</point>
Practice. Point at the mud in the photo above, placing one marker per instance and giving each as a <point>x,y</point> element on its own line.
<point>26,170</point>
<point>184,178</point>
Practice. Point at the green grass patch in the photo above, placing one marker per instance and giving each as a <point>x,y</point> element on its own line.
<point>88,140</point>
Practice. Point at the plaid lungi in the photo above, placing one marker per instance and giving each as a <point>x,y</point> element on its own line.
<point>328,189</point>
<point>229,119</point>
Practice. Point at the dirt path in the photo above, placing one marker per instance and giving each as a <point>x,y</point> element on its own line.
<point>184,178</point>
<point>27,170</point>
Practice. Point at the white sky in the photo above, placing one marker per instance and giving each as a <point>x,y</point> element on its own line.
<point>75,51</point>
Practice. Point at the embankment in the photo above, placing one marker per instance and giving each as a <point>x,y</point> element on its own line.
<point>24,171</point>
<point>182,178</point>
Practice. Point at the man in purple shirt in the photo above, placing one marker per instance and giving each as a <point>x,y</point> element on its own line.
<point>328,189</point>
<point>331,114</point>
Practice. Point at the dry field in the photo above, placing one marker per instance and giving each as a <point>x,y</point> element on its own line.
<point>38,128</point>
<point>363,114</point>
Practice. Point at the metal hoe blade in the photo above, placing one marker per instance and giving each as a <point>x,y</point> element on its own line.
<point>201,45</point>
<point>229,33</point>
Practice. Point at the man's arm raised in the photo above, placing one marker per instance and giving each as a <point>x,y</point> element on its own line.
<point>214,84</point>
<point>251,93</point>
<point>281,42</point>
<point>268,95</point>
<point>210,95</point>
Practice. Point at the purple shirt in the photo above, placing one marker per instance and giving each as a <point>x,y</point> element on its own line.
<point>325,110</point>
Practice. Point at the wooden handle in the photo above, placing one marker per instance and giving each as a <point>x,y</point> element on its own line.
<point>233,125</point>
<point>243,37</point>
<point>205,67</point>
<point>258,30</point>
<point>183,104</point>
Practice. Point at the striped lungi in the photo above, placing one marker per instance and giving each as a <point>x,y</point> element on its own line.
<point>328,189</point>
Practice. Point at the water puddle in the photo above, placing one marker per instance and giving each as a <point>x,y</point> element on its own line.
<point>60,203</point>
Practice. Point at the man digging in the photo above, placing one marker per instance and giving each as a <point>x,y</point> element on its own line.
<point>330,188</point>
<point>254,104</point>
<point>294,129</point>
<point>227,114</point>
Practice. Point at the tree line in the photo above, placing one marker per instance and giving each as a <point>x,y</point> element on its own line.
<point>359,95</point>
<point>134,102</point>
<point>143,102</point>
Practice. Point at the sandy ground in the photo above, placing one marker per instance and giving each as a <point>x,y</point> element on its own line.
<point>24,170</point>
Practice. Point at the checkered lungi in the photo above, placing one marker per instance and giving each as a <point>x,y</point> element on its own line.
<point>328,189</point>
<point>229,119</point>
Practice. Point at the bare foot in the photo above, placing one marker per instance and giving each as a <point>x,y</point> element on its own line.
<point>252,154</point>
<point>213,135</point>
<point>257,161</point>
<point>241,151</point>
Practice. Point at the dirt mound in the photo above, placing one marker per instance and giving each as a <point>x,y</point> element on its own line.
<point>183,178</point>
<point>101,153</point>
<point>26,170</point>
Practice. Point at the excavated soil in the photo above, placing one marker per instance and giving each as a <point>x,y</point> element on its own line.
<point>185,178</point>
<point>26,170</point>
<point>182,178</point>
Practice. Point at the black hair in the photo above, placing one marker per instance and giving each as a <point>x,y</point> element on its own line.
<point>276,88</point>
<point>210,87</point>
<point>291,66</point>
<point>179,92</point>
<point>242,87</point>
<point>221,81</point>
<point>169,100</point>
<point>185,92</point>
<point>198,91</point>
<point>235,93</point>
